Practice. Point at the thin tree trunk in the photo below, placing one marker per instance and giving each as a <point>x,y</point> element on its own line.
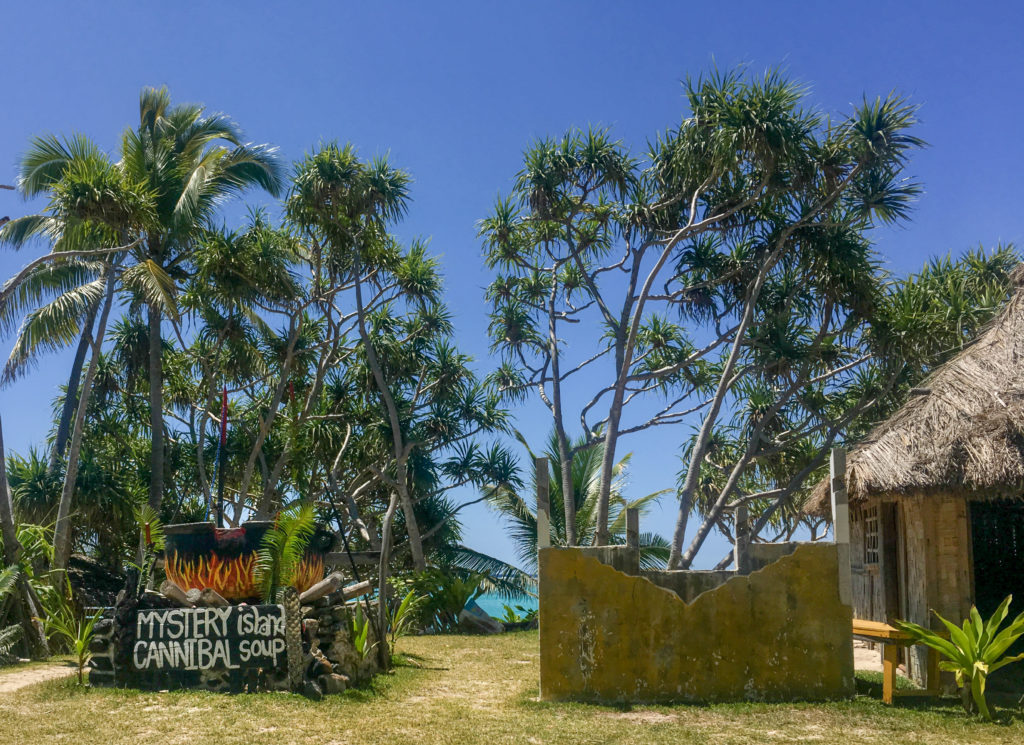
<point>401,455</point>
<point>8,529</point>
<point>25,602</point>
<point>704,436</point>
<point>263,509</point>
<point>156,411</point>
<point>383,653</point>
<point>67,412</point>
<point>62,529</point>
<point>564,450</point>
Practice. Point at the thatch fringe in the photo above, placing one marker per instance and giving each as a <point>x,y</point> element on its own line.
<point>961,432</point>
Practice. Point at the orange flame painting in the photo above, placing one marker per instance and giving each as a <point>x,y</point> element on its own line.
<point>234,578</point>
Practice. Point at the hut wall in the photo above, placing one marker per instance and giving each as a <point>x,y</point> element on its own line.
<point>937,556</point>
<point>866,562</point>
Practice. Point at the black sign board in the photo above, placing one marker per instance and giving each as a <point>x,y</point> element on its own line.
<point>237,637</point>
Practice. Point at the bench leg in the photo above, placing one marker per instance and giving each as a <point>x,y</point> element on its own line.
<point>933,685</point>
<point>890,659</point>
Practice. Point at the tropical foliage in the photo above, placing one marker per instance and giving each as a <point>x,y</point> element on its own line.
<point>9,635</point>
<point>973,651</point>
<point>302,360</point>
<point>518,507</point>
<point>283,548</point>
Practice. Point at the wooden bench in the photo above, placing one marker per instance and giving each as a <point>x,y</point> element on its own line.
<point>891,639</point>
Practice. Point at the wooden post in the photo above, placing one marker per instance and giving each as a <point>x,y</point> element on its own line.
<point>540,466</point>
<point>890,659</point>
<point>633,528</point>
<point>841,523</point>
<point>741,549</point>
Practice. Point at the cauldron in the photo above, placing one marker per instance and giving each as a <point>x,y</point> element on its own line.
<point>200,555</point>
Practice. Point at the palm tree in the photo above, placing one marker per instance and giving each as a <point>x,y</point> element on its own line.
<point>156,201</point>
<point>520,512</point>
<point>190,162</point>
<point>92,205</point>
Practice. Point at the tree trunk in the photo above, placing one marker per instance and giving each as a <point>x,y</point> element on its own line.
<point>568,491</point>
<point>62,529</point>
<point>24,601</point>
<point>8,529</point>
<point>601,537</point>
<point>419,560</point>
<point>401,454</point>
<point>67,411</point>
<point>564,450</point>
<point>263,509</point>
<point>383,653</point>
<point>704,436</point>
<point>156,411</point>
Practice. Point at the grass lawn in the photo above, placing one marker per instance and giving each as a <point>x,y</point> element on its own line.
<point>463,690</point>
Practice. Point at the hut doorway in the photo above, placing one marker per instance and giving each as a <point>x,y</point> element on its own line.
<point>893,569</point>
<point>997,538</point>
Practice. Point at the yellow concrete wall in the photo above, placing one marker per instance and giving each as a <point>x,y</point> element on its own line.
<point>778,634</point>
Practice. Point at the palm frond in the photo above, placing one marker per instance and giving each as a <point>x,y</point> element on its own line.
<point>51,327</point>
<point>155,285</point>
<point>502,579</point>
<point>46,282</point>
<point>8,579</point>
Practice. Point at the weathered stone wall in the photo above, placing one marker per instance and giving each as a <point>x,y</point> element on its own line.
<point>778,634</point>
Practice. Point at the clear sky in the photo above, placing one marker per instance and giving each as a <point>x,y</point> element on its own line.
<point>456,91</point>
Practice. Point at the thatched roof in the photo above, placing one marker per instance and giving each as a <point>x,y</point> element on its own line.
<point>961,431</point>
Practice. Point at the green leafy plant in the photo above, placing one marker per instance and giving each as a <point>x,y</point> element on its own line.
<point>76,631</point>
<point>974,651</point>
<point>402,618</point>
<point>152,532</point>
<point>9,635</point>
<point>447,591</point>
<point>518,614</point>
<point>361,634</point>
<point>282,549</point>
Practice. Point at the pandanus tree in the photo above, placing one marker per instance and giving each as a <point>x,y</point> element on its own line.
<point>677,264</point>
<point>413,409</point>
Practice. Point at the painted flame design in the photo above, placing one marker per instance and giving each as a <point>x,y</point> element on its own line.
<point>234,578</point>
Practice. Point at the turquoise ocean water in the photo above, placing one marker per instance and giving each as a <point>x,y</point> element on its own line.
<point>495,605</point>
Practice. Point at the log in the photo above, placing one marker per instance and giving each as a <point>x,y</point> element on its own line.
<point>324,587</point>
<point>354,591</point>
<point>210,598</point>
<point>192,596</point>
<point>172,592</point>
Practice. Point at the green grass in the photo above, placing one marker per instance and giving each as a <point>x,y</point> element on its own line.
<point>462,691</point>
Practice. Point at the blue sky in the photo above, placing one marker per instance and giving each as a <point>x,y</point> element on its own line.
<point>455,91</point>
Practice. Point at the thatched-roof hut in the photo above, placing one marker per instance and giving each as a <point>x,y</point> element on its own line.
<point>937,491</point>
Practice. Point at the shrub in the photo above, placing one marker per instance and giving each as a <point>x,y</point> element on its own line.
<point>974,651</point>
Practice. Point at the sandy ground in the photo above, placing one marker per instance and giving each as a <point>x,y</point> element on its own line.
<point>870,659</point>
<point>12,679</point>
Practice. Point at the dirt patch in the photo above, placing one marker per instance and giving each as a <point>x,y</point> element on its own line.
<point>15,679</point>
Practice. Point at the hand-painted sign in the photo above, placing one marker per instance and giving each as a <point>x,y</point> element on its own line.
<point>231,638</point>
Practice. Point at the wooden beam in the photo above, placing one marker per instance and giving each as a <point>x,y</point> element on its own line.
<point>361,558</point>
<point>633,528</point>
<point>841,523</point>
